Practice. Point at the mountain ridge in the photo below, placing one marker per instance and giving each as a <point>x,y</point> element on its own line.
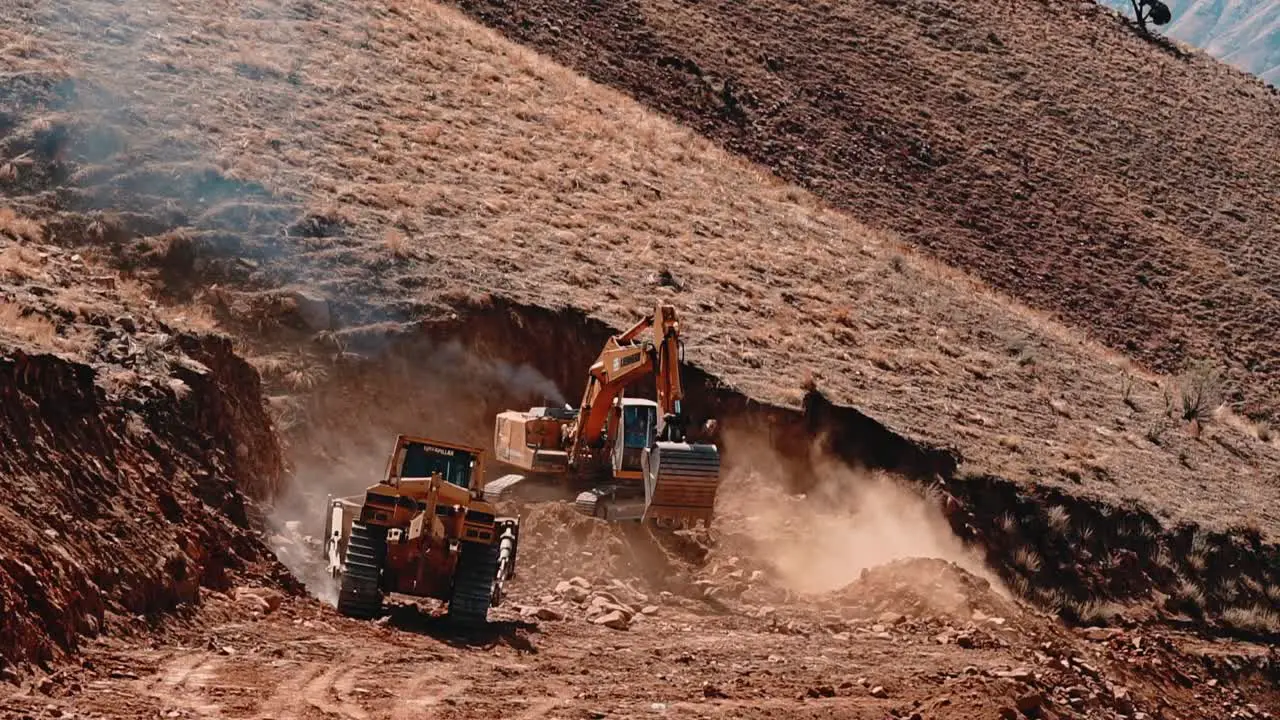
<point>1242,33</point>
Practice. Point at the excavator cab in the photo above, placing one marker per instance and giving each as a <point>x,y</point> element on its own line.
<point>638,428</point>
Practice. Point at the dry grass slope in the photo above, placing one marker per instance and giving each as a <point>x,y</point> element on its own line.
<point>497,171</point>
<point>1042,146</point>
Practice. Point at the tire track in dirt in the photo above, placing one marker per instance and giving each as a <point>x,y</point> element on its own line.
<point>329,691</point>
<point>181,682</point>
<point>278,705</point>
<point>420,696</point>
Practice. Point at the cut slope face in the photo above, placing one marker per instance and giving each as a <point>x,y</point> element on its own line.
<point>1043,147</point>
<point>442,162</point>
<point>125,444</point>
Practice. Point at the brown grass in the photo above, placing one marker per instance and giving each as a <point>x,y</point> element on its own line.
<point>19,262</point>
<point>19,227</point>
<point>25,325</point>
<point>518,178</point>
<point>1255,618</point>
<point>960,131</point>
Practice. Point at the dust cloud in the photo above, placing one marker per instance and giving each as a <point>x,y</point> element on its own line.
<point>847,521</point>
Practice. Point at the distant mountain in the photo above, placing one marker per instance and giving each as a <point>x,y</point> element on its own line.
<point>1245,33</point>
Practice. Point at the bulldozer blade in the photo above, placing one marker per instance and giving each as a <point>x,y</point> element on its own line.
<point>680,481</point>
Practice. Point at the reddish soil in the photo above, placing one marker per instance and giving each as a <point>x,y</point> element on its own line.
<point>1045,147</point>
<point>871,650</point>
<point>409,223</point>
<point>127,445</point>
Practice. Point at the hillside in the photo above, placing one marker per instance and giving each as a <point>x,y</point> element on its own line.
<point>1040,146</point>
<point>487,170</point>
<point>405,221</point>
<point>1244,33</point>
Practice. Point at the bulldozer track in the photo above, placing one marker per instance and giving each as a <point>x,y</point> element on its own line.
<point>360,595</point>
<point>473,583</point>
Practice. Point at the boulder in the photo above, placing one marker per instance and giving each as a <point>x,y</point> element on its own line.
<point>313,310</point>
<point>614,620</point>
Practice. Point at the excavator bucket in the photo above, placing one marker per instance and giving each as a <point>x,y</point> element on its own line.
<point>680,482</point>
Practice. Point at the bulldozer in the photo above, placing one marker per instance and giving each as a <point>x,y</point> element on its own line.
<point>424,530</point>
<point>626,458</point>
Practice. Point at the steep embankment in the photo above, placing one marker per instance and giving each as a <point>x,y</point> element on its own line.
<point>125,446</point>
<point>1044,147</point>
<point>357,177</point>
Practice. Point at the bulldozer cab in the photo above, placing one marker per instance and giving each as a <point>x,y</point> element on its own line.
<point>420,458</point>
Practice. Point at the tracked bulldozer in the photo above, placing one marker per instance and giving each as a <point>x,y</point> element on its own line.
<point>620,458</point>
<point>425,530</point>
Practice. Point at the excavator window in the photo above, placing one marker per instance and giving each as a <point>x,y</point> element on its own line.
<point>639,423</point>
<point>422,460</point>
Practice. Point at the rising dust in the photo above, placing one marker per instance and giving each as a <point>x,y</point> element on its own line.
<point>846,521</point>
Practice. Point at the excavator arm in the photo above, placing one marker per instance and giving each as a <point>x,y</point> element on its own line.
<point>680,479</point>
<point>625,360</point>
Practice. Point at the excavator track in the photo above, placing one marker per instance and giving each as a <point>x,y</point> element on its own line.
<point>473,583</point>
<point>680,482</point>
<point>360,595</point>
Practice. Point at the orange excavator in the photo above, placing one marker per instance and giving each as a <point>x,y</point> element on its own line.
<point>628,458</point>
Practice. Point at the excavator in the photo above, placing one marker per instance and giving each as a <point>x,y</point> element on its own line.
<point>627,458</point>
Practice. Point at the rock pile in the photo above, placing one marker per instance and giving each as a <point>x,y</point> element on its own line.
<point>613,604</point>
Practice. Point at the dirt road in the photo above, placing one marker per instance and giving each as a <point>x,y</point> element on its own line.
<point>680,656</point>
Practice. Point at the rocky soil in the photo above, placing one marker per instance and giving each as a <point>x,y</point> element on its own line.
<point>940,503</point>
<point>587,633</point>
<point>130,449</point>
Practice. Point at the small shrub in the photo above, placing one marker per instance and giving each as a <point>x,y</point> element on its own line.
<point>1190,593</point>
<point>1008,523</point>
<point>1027,559</point>
<point>1086,533</point>
<point>1200,391</point>
<point>1155,12</point>
<point>1254,618</point>
<point>305,377</point>
<point>1126,390</point>
<point>1096,612</point>
<point>397,243</point>
<point>18,227</point>
<point>1059,519</point>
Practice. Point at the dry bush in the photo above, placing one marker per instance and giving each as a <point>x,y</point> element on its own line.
<point>1254,618</point>
<point>305,377</point>
<point>1189,592</point>
<point>1086,533</point>
<point>1163,558</point>
<point>193,316</point>
<point>19,262</point>
<point>1096,612</point>
<point>27,326</point>
<point>1027,559</point>
<point>1007,522</point>
<point>269,365</point>
<point>1200,391</point>
<point>1059,519</point>
<point>397,243</point>
<point>18,227</point>
<point>120,380</point>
